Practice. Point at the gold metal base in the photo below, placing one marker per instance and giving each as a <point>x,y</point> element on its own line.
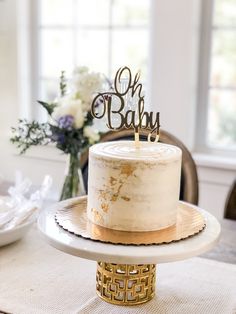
<point>125,284</point>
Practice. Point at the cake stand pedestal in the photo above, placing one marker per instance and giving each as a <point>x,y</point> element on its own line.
<point>126,273</point>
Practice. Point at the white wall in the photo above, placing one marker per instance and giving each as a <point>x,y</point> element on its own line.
<point>175,39</point>
<point>34,168</point>
<point>174,90</point>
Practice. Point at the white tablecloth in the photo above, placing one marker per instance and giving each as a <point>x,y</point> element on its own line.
<point>35,278</point>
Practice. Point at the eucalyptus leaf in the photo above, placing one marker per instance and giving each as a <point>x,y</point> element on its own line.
<point>47,106</point>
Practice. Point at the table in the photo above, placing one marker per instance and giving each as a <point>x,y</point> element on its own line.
<point>38,279</point>
<point>225,251</point>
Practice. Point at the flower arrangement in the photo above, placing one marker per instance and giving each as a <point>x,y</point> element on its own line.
<point>70,125</point>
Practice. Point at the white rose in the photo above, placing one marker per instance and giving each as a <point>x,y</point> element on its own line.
<point>68,105</point>
<point>79,117</point>
<point>91,134</point>
<point>85,84</point>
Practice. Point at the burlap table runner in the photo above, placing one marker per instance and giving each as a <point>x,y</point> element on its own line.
<point>35,278</point>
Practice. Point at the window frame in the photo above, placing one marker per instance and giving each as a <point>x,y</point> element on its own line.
<point>28,74</point>
<point>37,78</point>
<point>205,46</point>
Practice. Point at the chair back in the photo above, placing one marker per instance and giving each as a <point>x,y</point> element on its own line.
<point>230,205</point>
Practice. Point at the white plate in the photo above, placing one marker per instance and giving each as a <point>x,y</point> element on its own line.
<point>12,235</point>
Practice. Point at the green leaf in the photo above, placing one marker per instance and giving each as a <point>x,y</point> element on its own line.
<point>63,83</point>
<point>29,134</point>
<point>47,106</point>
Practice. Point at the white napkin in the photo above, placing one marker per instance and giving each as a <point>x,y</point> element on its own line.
<point>17,208</point>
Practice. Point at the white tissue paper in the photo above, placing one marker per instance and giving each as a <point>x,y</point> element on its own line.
<point>22,205</point>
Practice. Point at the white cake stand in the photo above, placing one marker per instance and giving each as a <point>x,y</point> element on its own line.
<point>126,274</point>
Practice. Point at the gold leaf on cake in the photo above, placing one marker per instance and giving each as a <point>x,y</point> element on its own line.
<point>114,197</point>
<point>103,194</point>
<point>113,180</point>
<point>105,207</point>
<point>127,169</point>
<point>125,198</point>
<point>96,215</point>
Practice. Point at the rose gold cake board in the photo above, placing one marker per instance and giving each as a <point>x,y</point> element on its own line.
<point>73,218</point>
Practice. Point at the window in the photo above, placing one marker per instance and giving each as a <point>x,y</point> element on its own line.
<point>219,69</point>
<point>100,34</point>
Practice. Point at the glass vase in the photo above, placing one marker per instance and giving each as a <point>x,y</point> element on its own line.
<point>73,184</point>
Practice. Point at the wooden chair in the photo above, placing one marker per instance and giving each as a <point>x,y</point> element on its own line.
<point>230,205</point>
<point>189,179</point>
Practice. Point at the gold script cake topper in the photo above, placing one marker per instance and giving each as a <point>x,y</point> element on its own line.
<point>114,105</point>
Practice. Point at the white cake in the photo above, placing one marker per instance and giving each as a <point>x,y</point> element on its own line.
<point>133,189</point>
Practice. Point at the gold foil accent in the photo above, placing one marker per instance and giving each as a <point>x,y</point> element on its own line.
<point>123,284</point>
<point>105,207</point>
<point>113,180</point>
<point>73,218</point>
<point>125,198</point>
<point>97,216</point>
<point>127,169</point>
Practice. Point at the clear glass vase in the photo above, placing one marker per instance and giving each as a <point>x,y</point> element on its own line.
<point>73,184</point>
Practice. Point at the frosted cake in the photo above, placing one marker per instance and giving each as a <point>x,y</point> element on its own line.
<point>133,189</point>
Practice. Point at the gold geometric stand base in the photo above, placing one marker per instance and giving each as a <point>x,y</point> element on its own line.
<point>125,284</point>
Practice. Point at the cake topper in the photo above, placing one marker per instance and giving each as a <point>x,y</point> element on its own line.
<point>124,106</point>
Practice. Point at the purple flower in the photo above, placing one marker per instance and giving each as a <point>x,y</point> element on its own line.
<point>59,138</point>
<point>66,122</point>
